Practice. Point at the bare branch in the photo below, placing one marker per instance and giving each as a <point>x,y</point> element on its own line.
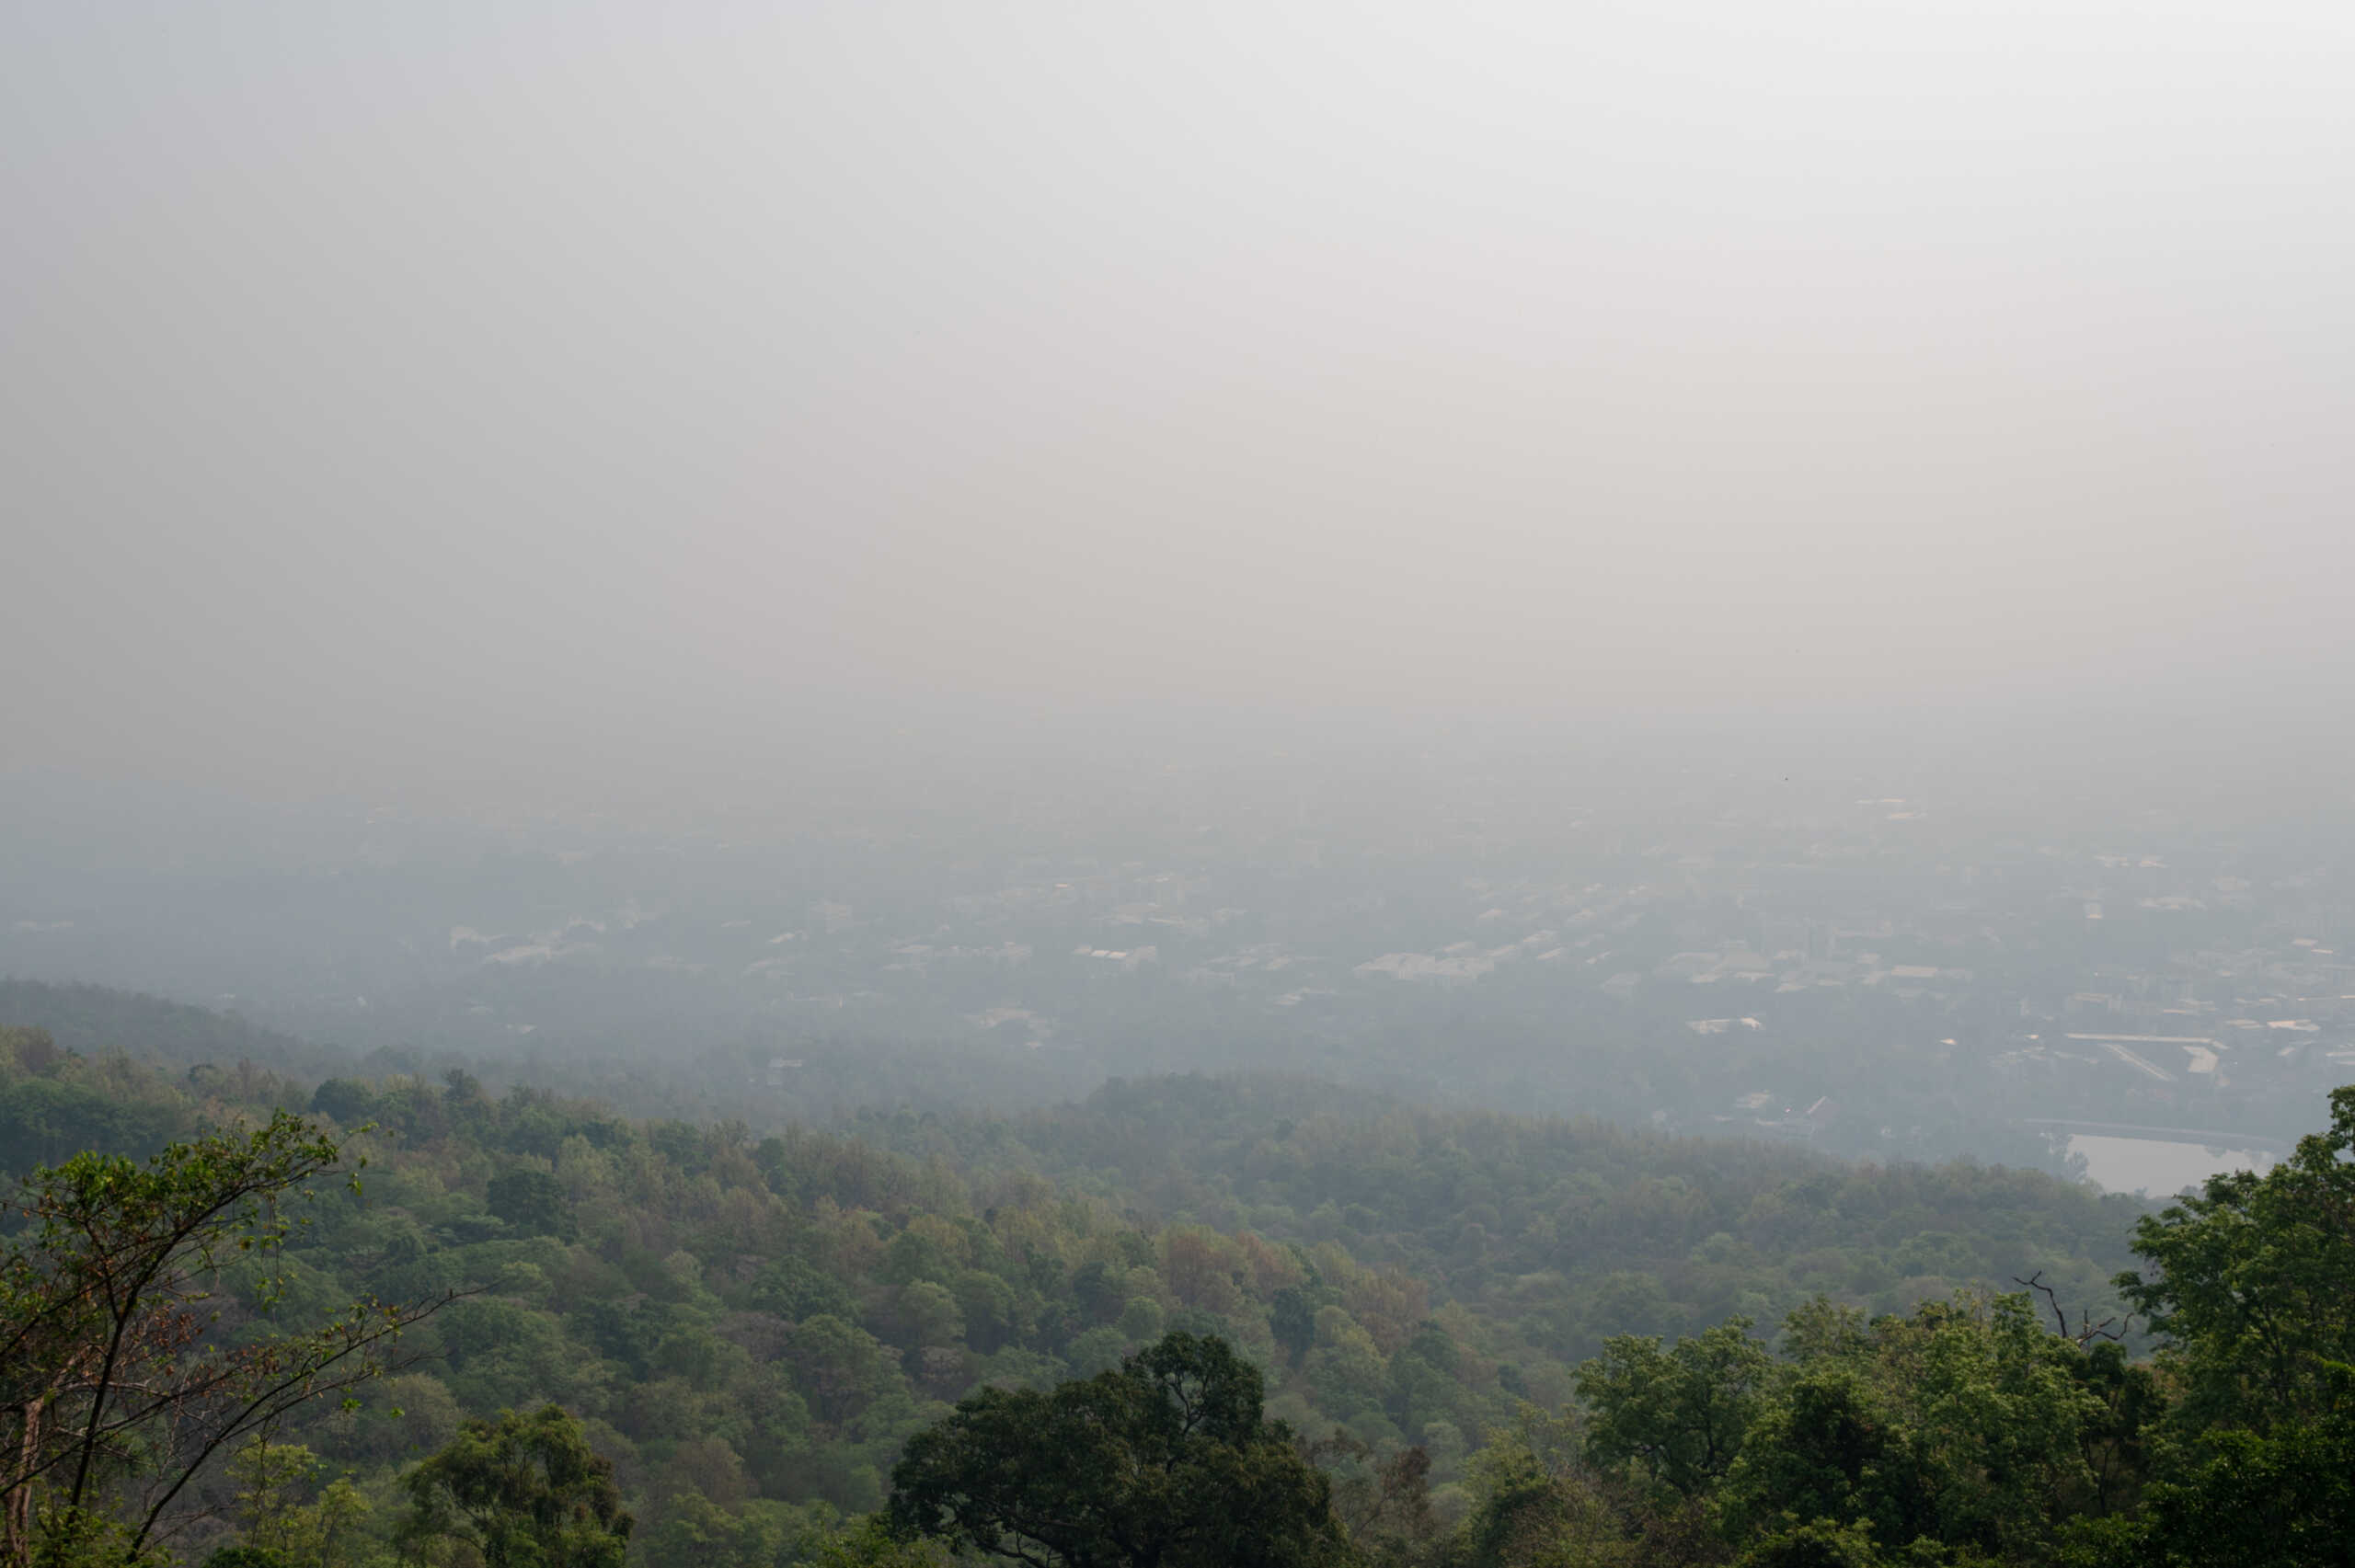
<point>2087,1330</point>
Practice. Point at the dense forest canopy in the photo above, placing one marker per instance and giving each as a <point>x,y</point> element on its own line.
<point>1490,1338</point>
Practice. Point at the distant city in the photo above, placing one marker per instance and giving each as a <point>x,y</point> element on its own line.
<point>1874,975</point>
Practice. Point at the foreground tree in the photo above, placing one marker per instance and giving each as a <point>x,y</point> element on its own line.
<point>519,1492</point>
<point>127,1365</point>
<point>1679,1415</point>
<point>1965,1425</point>
<point>275,1520</point>
<point>2283,1500</point>
<point>1164,1462</point>
<point>2255,1283</point>
<point>1385,1505</point>
<point>2254,1292</point>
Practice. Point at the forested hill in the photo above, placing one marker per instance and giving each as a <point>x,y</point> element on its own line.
<point>91,1020</point>
<point>1552,1233</point>
<point>1557,1233</point>
<point>1500,1342</point>
<point>764,1321</point>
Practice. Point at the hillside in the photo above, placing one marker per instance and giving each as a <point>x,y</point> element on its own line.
<point>1555,1233</point>
<point>93,1020</point>
<point>753,1327</point>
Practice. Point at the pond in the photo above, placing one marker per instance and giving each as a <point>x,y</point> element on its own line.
<point>2157,1167</point>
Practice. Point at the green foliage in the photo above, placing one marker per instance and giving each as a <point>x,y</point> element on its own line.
<point>1961,1433</point>
<point>55,1103</point>
<point>2253,1288</point>
<point>1536,1502</point>
<point>518,1491</point>
<point>346,1101</point>
<point>756,1334</point>
<point>1385,1503</point>
<point>1293,1320</point>
<point>2282,1499</point>
<point>873,1545</point>
<point>2255,1282</point>
<point>137,1339</point>
<point>796,1288</point>
<point>245,1555</point>
<point>1965,1422</point>
<point>61,1535</point>
<point>1553,1235</point>
<point>531,1201</point>
<point>283,1511</point>
<point>1821,1543</point>
<point>1166,1460</point>
<point>841,1370</point>
<point>809,1298</point>
<point>1679,1415</point>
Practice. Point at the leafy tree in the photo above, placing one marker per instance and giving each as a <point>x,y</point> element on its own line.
<point>1292,1318</point>
<point>1832,1446</point>
<point>2254,1295</point>
<point>30,1050</point>
<point>690,1530</point>
<point>1099,1291</point>
<point>1537,1502</point>
<point>1680,1414</point>
<point>1819,1544</point>
<point>53,1101</point>
<point>347,1101</point>
<point>794,1287</point>
<point>272,1481</point>
<point>1385,1506</point>
<point>2285,1499</point>
<point>531,1201</point>
<point>1965,1425</point>
<point>2125,1407</point>
<point>1166,1460</point>
<point>929,1315</point>
<point>2256,1282</point>
<point>245,1555</point>
<point>841,1368</point>
<point>117,1382</point>
<point>519,1492</point>
<point>871,1544</point>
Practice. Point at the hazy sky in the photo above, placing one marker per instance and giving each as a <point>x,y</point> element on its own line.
<point>447,389</point>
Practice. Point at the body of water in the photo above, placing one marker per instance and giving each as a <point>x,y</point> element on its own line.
<point>2159,1168</point>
